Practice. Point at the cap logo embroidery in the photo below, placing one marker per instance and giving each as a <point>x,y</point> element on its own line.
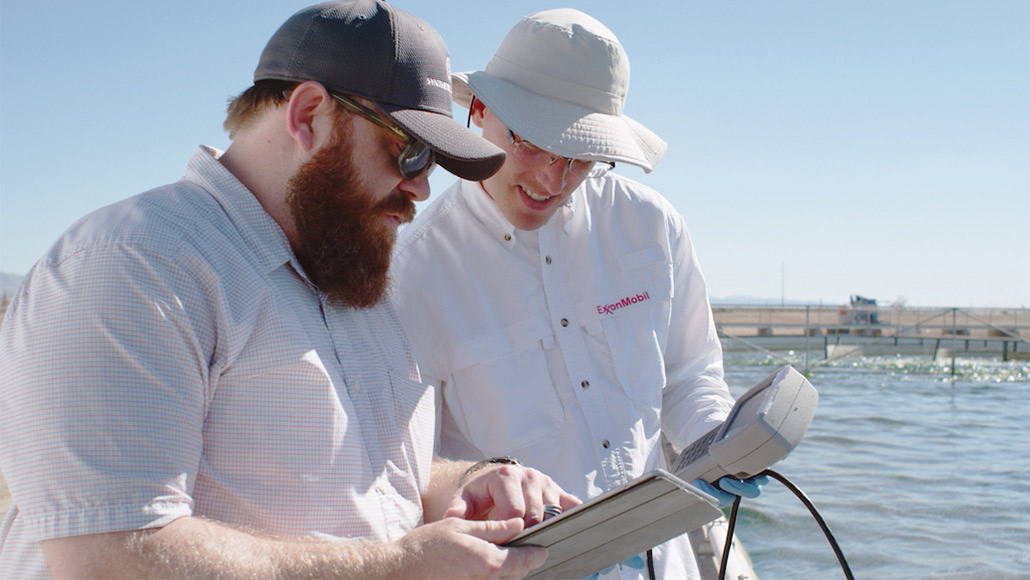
<point>438,84</point>
<point>606,309</point>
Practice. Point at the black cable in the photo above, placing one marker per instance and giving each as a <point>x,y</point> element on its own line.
<point>811,508</point>
<point>818,518</point>
<point>728,542</point>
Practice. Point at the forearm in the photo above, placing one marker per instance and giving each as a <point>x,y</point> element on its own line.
<point>443,484</point>
<point>194,547</point>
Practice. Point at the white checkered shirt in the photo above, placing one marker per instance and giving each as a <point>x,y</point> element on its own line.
<point>166,358</point>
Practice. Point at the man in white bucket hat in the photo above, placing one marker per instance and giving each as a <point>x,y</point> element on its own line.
<point>580,330</point>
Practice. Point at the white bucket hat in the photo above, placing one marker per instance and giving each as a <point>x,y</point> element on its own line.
<point>559,79</point>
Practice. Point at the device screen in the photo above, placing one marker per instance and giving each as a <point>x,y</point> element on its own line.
<point>744,409</point>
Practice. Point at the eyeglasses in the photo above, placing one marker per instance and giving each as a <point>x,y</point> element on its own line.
<point>416,156</point>
<point>533,155</point>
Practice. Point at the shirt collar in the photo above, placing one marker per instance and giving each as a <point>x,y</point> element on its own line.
<point>260,231</point>
<point>486,212</point>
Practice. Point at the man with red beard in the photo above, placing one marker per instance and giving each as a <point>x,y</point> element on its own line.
<point>204,380</point>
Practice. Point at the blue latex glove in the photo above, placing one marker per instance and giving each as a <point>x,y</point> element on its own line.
<point>730,487</point>
<point>636,562</point>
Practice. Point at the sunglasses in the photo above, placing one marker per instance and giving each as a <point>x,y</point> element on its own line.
<point>416,156</point>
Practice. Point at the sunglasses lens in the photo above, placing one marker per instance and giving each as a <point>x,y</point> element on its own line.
<point>415,158</point>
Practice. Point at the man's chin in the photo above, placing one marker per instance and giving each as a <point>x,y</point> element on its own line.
<point>350,298</point>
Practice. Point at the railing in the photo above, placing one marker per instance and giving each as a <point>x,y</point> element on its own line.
<point>748,320</point>
<point>988,331</point>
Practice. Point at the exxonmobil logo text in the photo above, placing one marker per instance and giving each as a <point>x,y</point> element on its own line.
<point>604,309</point>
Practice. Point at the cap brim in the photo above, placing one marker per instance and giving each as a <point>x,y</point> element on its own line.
<point>458,149</point>
<point>560,127</point>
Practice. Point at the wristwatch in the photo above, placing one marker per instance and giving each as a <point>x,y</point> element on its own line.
<point>484,463</point>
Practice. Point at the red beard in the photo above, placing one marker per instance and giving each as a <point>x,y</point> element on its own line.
<point>342,241</point>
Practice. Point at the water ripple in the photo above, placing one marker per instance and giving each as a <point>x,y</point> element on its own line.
<point>918,473</point>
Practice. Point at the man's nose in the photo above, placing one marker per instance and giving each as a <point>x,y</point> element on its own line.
<point>416,188</point>
<point>552,175</point>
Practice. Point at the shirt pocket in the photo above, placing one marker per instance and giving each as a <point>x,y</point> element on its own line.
<point>501,394</point>
<point>630,317</point>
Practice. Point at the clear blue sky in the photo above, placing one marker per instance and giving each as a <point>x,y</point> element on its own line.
<point>817,148</point>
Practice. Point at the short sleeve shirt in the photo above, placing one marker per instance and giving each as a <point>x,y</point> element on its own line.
<point>168,357</point>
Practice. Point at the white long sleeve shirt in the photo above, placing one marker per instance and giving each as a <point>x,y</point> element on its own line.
<point>571,347</point>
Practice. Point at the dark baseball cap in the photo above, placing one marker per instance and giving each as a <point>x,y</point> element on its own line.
<point>398,61</point>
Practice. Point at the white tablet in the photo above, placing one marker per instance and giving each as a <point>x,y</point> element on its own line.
<point>618,525</point>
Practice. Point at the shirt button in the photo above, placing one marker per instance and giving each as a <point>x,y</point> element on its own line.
<point>585,384</point>
<point>507,237</point>
<point>605,444</point>
<point>564,321</point>
<point>547,259</point>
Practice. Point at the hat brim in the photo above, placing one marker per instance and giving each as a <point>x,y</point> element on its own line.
<point>458,150</point>
<point>560,127</point>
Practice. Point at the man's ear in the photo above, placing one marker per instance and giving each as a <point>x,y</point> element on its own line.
<point>476,112</point>
<point>309,115</point>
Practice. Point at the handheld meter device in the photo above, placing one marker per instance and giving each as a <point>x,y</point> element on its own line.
<point>764,426</point>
